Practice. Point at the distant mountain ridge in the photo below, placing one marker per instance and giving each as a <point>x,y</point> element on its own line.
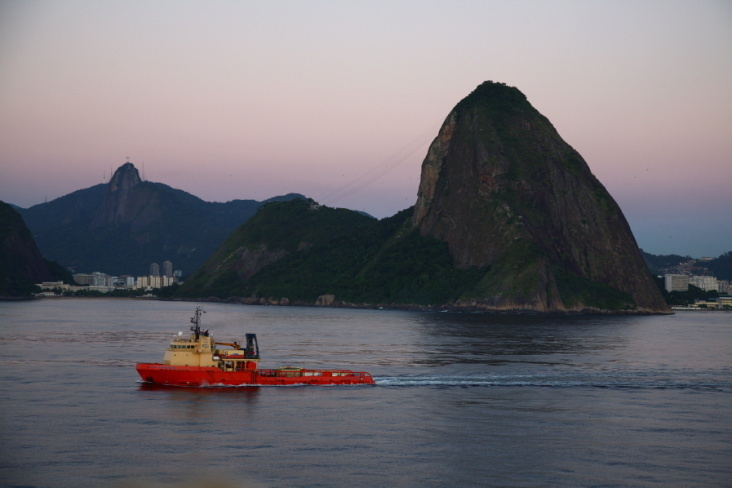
<point>123,226</point>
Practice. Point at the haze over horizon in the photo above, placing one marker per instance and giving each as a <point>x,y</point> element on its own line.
<point>339,100</point>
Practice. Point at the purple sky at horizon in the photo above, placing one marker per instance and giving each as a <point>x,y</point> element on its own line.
<point>339,100</point>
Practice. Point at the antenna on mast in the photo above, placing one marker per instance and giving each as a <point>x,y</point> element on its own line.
<point>143,171</point>
<point>196,321</point>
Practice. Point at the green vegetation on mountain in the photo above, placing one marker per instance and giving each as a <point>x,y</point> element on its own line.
<point>319,250</point>
<point>689,297</point>
<point>59,273</point>
<point>721,266</point>
<point>578,290</point>
<point>313,250</point>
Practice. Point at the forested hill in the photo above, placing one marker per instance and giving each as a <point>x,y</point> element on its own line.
<point>720,267</point>
<point>300,250</point>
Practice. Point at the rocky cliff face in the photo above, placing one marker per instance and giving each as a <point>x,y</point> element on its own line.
<point>120,205</point>
<point>503,189</point>
<point>21,264</point>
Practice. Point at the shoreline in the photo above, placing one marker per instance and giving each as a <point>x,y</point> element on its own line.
<point>450,308</point>
<point>445,308</point>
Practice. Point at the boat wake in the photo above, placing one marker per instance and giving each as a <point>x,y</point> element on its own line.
<point>599,381</point>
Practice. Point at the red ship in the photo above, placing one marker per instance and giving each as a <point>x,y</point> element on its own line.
<point>198,360</point>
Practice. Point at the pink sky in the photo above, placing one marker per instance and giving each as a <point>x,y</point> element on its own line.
<point>254,99</point>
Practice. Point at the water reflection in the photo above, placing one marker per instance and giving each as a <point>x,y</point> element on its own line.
<point>199,404</point>
<point>244,392</point>
<point>498,339</point>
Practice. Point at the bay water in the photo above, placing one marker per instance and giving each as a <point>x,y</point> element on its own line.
<point>461,400</point>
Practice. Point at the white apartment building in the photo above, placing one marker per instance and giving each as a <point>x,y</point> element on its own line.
<point>675,282</point>
<point>153,281</point>
<point>706,283</point>
<point>100,279</point>
<point>84,279</point>
<point>143,282</point>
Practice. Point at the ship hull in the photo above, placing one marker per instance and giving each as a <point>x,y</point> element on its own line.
<point>200,376</point>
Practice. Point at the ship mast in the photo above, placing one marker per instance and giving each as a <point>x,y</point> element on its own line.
<point>196,321</point>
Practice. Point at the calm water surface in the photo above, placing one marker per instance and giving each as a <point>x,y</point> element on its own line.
<point>460,400</point>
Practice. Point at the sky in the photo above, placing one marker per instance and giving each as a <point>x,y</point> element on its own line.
<point>338,100</point>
